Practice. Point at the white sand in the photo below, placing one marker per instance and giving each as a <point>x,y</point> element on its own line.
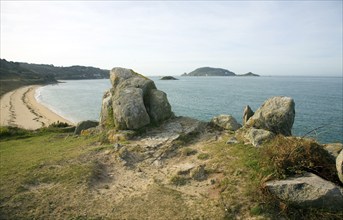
<point>20,108</point>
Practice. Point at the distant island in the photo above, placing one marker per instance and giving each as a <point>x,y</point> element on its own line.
<point>249,74</point>
<point>168,78</point>
<point>210,71</point>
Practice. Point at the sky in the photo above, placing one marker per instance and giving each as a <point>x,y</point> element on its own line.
<point>173,37</point>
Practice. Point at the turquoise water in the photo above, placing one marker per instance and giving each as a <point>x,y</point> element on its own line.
<point>318,100</point>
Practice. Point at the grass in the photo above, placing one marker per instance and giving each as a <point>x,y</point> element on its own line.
<point>178,180</point>
<point>203,156</point>
<point>290,156</point>
<point>42,159</point>
<point>49,174</point>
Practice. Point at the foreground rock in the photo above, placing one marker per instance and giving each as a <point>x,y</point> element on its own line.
<point>339,166</point>
<point>334,149</point>
<point>275,115</point>
<point>309,191</point>
<point>83,125</point>
<point>133,101</point>
<point>257,137</point>
<point>227,122</point>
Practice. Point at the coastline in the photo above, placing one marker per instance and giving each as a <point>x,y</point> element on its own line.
<point>20,108</point>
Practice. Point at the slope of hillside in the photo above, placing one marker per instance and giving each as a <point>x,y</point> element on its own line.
<point>210,71</point>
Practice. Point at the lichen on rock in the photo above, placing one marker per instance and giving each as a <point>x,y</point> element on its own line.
<point>133,101</point>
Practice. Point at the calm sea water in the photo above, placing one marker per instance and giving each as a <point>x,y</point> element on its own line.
<point>318,100</point>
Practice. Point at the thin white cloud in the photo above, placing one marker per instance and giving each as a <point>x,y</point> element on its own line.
<point>176,37</point>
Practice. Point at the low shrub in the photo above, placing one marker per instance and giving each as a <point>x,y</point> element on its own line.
<point>8,131</point>
<point>203,156</point>
<point>178,180</point>
<point>290,155</point>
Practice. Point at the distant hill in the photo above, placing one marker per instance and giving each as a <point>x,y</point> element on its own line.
<point>72,72</point>
<point>15,74</point>
<point>249,74</point>
<point>210,71</point>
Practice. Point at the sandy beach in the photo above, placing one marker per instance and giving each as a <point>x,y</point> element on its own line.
<point>20,108</point>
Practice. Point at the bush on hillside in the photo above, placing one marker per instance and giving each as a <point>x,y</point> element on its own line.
<point>288,156</point>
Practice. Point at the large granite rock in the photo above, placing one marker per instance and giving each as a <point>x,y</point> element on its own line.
<point>133,101</point>
<point>308,191</point>
<point>339,166</point>
<point>226,121</point>
<point>275,115</point>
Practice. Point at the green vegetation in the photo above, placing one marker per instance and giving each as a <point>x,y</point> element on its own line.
<point>14,74</point>
<point>50,173</point>
<point>289,156</point>
<point>178,180</point>
<point>203,156</point>
<point>188,151</point>
<point>210,71</point>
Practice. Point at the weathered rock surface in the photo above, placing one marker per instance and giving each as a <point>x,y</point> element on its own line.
<point>133,101</point>
<point>339,166</point>
<point>257,137</point>
<point>275,115</point>
<point>226,121</point>
<point>308,191</point>
<point>247,113</point>
<point>333,149</point>
<point>83,125</point>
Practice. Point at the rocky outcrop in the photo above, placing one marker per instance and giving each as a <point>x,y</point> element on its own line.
<point>133,101</point>
<point>275,115</point>
<point>308,191</point>
<point>339,166</point>
<point>83,125</point>
<point>226,121</point>
<point>247,113</point>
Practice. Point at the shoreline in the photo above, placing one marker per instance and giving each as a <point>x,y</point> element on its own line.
<point>20,108</point>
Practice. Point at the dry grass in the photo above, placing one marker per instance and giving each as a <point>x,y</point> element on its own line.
<point>52,175</point>
<point>290,155</point>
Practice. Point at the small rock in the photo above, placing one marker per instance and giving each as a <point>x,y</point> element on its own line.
<point>258,136</point>
<point>168,78</point>
<point>227,122</point>
<point>199,173</point>
<point>117,146</point>
<point>232,140</point>
<point>83,125</point>
<point>247,113</point>
<point>334,148</point>
<point>184,169</point>
<point>308,191</point>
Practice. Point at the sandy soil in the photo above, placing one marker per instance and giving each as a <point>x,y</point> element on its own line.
<point>20,108</point>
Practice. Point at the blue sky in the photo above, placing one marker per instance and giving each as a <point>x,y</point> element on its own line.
<point>173,37</point>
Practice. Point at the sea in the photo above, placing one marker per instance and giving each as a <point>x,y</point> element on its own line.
<point>318,100</point>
